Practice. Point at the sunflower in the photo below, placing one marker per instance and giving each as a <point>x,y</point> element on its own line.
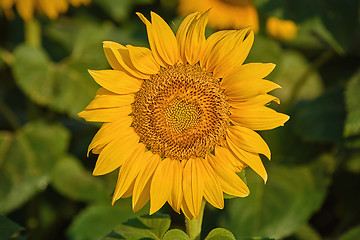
<point>283,30</point>
<point>225,14</point>
<point>179,118</point>
<point>51,8</point>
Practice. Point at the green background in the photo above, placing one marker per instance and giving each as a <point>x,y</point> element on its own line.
<point>46,187</point>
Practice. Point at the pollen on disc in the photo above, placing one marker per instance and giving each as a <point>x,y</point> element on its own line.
<point>181,112</point>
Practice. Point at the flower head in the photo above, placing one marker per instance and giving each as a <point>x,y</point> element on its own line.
<point>284,30</point>
<point>225,14</point>
<point>179,118</point>
<point>51,8</point>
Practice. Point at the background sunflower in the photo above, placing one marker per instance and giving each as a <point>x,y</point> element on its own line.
<point>46,187</point>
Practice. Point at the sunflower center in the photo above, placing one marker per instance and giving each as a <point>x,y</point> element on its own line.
<point>181,115</point>
<point>181,112</point>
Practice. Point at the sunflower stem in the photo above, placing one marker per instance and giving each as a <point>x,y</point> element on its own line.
<point>193,226</point>
<point>33,32</point>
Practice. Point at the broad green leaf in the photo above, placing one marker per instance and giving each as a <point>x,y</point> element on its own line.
<point>220,234</point>
<point>297,78</point>
<point>352,99</point>
<point>306,232</point>
<point>118,10</point>
<point>264,50</point>
<point>97,221</point>
<point>353,163</point>
<point>33,73</point>
<point>27,163</point>
<point>258,238</point>
<point>75,88</point>
<point>352,234</point>
<point>321,119</point>
<point>71,179</point>
<point>87,46</point>
<point>175,234</point>
<point>144,227</point>
<point>6,139</point>
<point>8,229</point>
<point>65,88</point>
<point>277,208</point>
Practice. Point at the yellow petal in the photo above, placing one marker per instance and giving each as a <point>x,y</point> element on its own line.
<point>230,182</point>
<point>176,195</point>
<point>182,33</point>
<point>251,159</point>
<point>143,60</point>
<point>224,48</point>
<point>229,159</point>
<point>141,194</point>
<point>129,171</point>
<point>195,39</point>
<point>143,198</point>
<point>116,81</point>
<point>105,114</point>
<point>161,185</point>
<point>235,58</point>
<point>128,193</point>
<point>213,41</point>
<point>212,188</point>
<point>107,99</point>
<point>155,48</point>
<point>108,132</point>
<point>258,118</point>
<point>119,59</point>
<point>245,89</point>
<point>249,71</point>
<point>260,100</point>
<point>117,152</point>
<point>165,40</point>
<point>26,9</point>
<point>193,185</point>
<point>185,210</point>
<point>248,140</point>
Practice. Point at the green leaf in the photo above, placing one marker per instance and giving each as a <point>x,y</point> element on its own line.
<point>28,162</point>
<point>352,234</point>
<point>258,238</point>
<point>71,179</point>
<point>66,86</point>
<point>175,234</point>
<point>321,119</point>
<point>118,10</point>
<point>276,209</point>
<point>264,50</point>
<point>144,227</point>
<point>297,78</point>
<point>8,229</point>
<point>352,99</point>
<point>353,163</point>
<point>97,221</point>
<point>305,232</point>
<point>220,234</point>
<point>33,73</point>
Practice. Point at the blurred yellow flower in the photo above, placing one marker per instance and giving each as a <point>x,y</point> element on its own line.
<point>225,14</point>
<point>284,30</point>
<point>179,118</point>
<point>51,8</point>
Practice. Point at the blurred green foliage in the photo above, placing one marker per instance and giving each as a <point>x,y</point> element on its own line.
<point>46,187</point>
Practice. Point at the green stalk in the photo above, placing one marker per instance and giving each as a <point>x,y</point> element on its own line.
<point>33,32</point>
<point>193,227</point>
